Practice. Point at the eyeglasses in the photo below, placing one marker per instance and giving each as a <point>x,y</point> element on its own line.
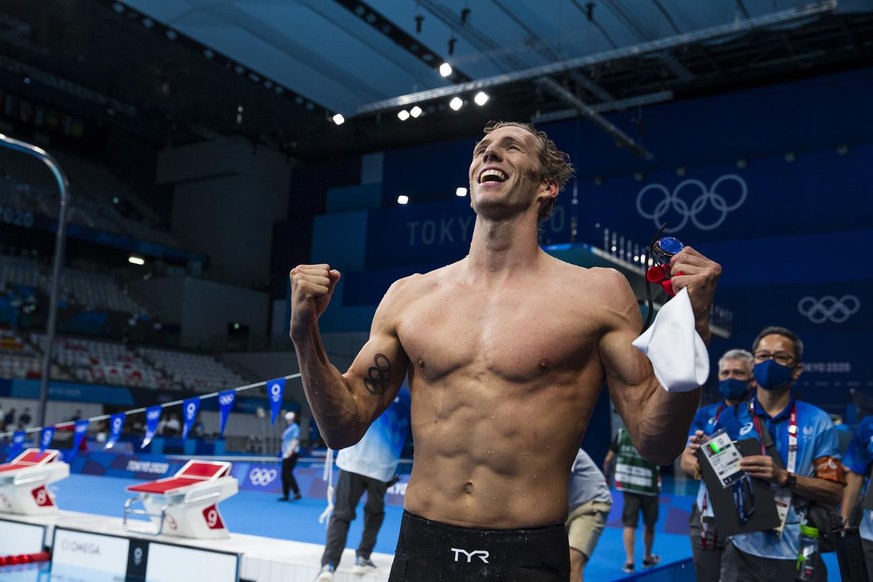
<point>780,357</point>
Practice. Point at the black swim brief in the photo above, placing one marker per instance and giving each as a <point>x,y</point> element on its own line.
<point>429,551</point>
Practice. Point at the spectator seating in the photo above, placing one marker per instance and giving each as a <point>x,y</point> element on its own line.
<point>196,372</point>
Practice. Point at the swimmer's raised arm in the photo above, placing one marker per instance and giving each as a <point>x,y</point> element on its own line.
<point>657,419</point>
<point>344,405</point>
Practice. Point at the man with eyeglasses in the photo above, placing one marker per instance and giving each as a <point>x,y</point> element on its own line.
<point>734,382</point>
<point>800,457</point>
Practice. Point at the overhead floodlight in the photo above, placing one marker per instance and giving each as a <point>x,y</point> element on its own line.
<point>481,98</point>
<point>403,115</point>
<point>461,192</point>
<point>133,259</point>
<point>403,199</point>
<point>338,118</point>
<point>456,103</point>
<point>445,69</point>
<point>171,34</point>
<point>415,111</point>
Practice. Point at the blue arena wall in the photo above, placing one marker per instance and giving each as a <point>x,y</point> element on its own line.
<point>773,182</point>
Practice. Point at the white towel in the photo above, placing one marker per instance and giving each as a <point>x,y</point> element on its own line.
<point>674,347</point>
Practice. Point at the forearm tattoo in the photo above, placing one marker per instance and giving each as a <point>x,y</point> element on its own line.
<point>378,375</point>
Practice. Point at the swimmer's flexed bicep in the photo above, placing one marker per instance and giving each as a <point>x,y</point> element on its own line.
<point>378,370</point>
<point>628,373</point>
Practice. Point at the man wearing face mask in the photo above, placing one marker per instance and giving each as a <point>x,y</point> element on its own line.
<point>734,378</point>
<point>800,457</point>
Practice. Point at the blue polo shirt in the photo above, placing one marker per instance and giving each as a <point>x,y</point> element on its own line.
<point>291,433</point>
<point>858,457</point>
<point>706,419</point>
<point>816,438</point>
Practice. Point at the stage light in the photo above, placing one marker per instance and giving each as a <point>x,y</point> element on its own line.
<point>403,115</point>
<point>338,118</point>
<point>461,192</point>
<point>415,111</point>
<point>403,199</point>
<point>445,69</point>
<point>456,103</point>
<point>481,98</point>
<point>135,260</point>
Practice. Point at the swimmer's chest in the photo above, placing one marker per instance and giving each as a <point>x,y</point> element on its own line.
<point>517,336</point>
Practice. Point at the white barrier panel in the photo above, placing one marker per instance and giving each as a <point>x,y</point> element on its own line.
<point>77,555</point>
<point>80,556</point>
<point>168,563</point>
<point>21,538</point>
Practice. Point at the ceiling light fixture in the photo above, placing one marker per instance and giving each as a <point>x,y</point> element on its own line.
<point>135,260</point>
<point>461,192</point>
<point>445,69</point>
<point>338,118</point>
<point>481,98</point>
<point>456,103</point>
<point>403,115</point>
<point>403,199</point>
<point>415,111</point>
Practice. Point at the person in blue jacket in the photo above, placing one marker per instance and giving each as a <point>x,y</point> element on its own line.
<point>734,383</point>
<point>804,467</point>
<point>858,462</point>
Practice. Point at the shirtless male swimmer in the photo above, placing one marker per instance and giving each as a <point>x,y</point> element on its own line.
<point>506,352</point>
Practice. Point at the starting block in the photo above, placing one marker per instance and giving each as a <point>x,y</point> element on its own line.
<point>185,504</point>
<point>23,482</point>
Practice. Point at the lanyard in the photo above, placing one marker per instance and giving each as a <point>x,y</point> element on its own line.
<point>791,462</point>
<point>782,495</point>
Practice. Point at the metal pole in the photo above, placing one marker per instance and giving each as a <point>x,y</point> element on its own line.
<point>64,186</point>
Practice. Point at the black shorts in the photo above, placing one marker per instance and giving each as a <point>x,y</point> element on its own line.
<point>432,551</point>
<point>634,504</point>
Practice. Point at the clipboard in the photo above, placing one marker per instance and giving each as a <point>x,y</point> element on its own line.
<point>727,522</point>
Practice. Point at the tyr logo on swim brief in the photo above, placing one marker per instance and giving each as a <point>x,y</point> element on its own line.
<point>482,555</point>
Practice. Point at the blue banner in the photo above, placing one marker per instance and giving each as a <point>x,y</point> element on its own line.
<point>116,423</point>
<point>45,438</point>
<point>17,444</point>
<point>275,391</point>
<point>189,409</point>
<point>225,405</point>
<point>79,431</point>
<point>153,417</point>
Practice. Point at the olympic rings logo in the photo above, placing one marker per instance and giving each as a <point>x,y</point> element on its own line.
<point>262,477</point>
<point>226,399</point>
<point>672,204</point>
<point>829,308</point>
<point>153,414</point>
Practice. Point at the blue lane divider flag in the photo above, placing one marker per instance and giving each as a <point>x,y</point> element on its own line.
<point>225,404</point>
<point>45,438</point>
<point>79,430</point>
<point>116,423</point>
<point>189,409</point>
<point>275,391</point>
<point>17,444</point>
<point>153,417</point>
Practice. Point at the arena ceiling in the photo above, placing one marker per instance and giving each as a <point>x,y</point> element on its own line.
<point>275,72</point>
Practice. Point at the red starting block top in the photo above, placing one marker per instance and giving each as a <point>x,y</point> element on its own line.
<point>192,473</point>
<point>30,458</point>
<point>163,486</point>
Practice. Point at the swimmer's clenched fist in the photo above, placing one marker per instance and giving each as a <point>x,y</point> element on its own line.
<point>312,287</point>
